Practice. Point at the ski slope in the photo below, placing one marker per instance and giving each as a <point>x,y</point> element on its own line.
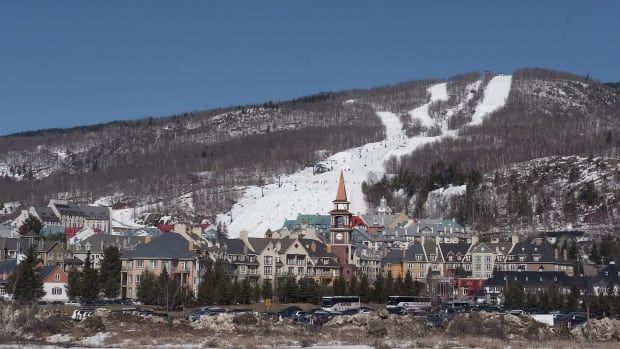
<point>302,192</point>
<point>495,96</point>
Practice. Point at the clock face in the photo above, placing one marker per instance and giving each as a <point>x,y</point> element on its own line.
<point>339,236</point>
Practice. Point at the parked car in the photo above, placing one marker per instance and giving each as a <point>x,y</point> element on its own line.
<point>514,312</point>
<point>397,311</point>
<point>365,310</point>
<point>289,312</point>
<point>351,311</point>
<point>73,303</point>
<point>301,316</point>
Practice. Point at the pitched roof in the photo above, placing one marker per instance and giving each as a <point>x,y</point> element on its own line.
<point>529,249</point>
<point>341,194</point>
<point>396,255</point>
<point>166,246</point>
<point>46,214</point>
<point>235,246</point>
<point>258,244</point>
<point>98,242</point>
<point>461,248</point>
<point>46,271</point>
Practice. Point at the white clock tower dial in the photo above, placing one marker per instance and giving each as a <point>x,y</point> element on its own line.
<point>339,236</point>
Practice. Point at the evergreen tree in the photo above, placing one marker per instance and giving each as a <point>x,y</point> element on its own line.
<point>147,289</point>
<point>169,292</point>
<point>388,289</point>
<point>398,286</point>
<point>223,285</point>
<point>514,295</point>
<point>245,292</point>
<point>308,290</point>
<point>407,289</point>
<point>267,289</point>
<point>340,287</point>
<point>90,281</point>
<point>364,289</point>
<point>31,223</point>
<point>256,292</point>
<point>572,300</point>
<point>110,272</point>
<point>353,287</point>
<point>289,289</point>
<point>378,295</point>
<point>25,283</point>
<point>74,283</point>
<point>207,286</point>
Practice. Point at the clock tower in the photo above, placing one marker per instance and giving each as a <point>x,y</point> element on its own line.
<point>340,227</point>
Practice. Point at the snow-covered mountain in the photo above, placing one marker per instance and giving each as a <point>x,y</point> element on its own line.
<point>267,207</point>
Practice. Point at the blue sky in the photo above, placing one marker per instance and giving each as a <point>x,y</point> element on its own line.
<point>69,63</point>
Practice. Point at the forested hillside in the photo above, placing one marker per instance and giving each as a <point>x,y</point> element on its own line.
<point>513,163</point>
<point>203,155</point>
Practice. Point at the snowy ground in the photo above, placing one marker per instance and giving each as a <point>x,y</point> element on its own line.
<point>303,192</point>
<point>495,95</point>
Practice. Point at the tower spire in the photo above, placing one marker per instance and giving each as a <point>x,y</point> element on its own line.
<point>341,194</point>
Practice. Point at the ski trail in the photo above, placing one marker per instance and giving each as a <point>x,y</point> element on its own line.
<point>302,192</point>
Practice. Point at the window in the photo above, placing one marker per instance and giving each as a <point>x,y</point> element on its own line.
<point>536,258</point>
<point>450,258</point>
<point>56,291</point>
<point>477,267</point>
<point>477,259</point>
<point>268,260</point>
<point>468,267</point>
<point>488,267</point>
<point>418,257</point>
<point>153,264</point>
<point>422,274</point>
<point>500,258</point>
<point>56,277</point>
<point>487,259</point>
<point>300,271</point>
<point>242,269</point>
<point>138,277</point>
<point>521,258</point>
<point>140,264</point>
<point>130,278</point>
<point>268,270</point>
<point>184,266</point>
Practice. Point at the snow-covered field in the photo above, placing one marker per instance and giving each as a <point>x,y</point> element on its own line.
<point>302,192</point>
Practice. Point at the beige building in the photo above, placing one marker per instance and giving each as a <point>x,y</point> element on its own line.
<point>170,251</point>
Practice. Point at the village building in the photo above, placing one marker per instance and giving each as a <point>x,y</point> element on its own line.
<point>170,251</point>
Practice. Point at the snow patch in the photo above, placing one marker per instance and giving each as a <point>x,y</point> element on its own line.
<point>495,96</point>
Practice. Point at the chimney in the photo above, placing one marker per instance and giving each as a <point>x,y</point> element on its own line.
<point>557,254</point>
<point>565,254</point>
<point>243,235</point>
<point>474,239</point>
<point>514,239</point>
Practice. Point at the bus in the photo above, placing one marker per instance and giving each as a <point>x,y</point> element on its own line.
<point>340,303</point>
<point>409,302</point>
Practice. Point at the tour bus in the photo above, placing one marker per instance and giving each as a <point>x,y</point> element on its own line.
<point>340,303</point>
<point>409,302</point>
